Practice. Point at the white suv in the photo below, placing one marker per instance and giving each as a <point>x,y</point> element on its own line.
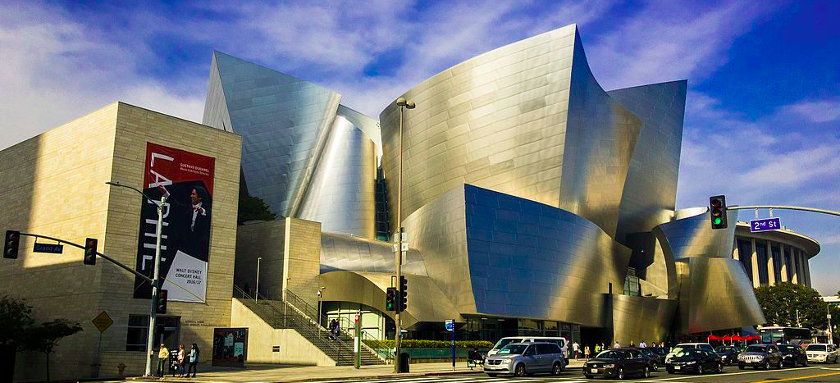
<point>821,353</point>
<point>685,346</point>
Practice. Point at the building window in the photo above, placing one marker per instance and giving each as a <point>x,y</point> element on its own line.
<point>777,261</point>
<point>761,253</point>
<point>745,255</point>
<point>138,332</point>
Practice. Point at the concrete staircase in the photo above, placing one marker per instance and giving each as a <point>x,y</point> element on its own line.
<point>285,315</point>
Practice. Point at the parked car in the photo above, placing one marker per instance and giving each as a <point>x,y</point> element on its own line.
<point>661,352</point>
<point>760,355</point>
<point>728,354</point>
<point>526,358</point>
<point>793,355</point>
<point>688,346</point>
<point>652,357</point>
<point>559,340</point>
<point>617,363</point>
<point>821,353</point>
<point>694,360</point>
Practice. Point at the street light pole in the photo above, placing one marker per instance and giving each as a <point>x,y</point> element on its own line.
<point>150,340</point>
<point>257,292</point>
<point>403,104</point>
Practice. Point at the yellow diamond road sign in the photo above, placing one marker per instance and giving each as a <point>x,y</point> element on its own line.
<point>102,321</point>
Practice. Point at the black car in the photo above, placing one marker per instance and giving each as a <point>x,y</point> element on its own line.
<point>617,364</point>
<point>760,355</point>
<point>728,354</point>
<point>793,355</point>
<point>694,360</point>
<point>654,360</point>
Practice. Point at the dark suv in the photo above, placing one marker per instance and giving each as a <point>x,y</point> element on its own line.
<point>728,354</point>
<point>760,355</point>
<point>793,355</point>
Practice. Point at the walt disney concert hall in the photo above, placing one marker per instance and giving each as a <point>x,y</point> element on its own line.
<point>533,200</point>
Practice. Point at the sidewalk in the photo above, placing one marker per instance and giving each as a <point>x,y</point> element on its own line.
<point>275,373</point>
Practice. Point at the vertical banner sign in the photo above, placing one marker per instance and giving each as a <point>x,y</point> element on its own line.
<point>187,179</point>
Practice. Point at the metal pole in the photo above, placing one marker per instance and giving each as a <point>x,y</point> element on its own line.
<point>319,307</point>
<point>257,292</point>
<point>155,285</point>
<point>398,256</point>
<point>785,207</point>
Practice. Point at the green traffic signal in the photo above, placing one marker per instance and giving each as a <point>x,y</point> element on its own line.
<point>718,221</point>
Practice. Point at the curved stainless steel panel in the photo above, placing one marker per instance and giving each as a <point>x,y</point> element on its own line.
<point>716,294</point>
<point>527,119</point>
<point>690,234</point>
<point>600,138</point>
<point>651,187</point>
<point>496,121</point>
<point>639,319</point>
<point>348,253</point>
<point>517,258</point>
<point>283,122</point>
<point>341,193</point>
<point>426,302</point>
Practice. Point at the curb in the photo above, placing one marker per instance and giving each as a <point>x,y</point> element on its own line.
<point>342,378</point>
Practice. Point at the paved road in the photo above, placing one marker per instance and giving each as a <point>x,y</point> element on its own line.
<point>730,375</point>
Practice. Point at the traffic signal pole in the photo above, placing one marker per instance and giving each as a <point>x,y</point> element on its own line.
<point>150,341</point>
<point>784,207</point>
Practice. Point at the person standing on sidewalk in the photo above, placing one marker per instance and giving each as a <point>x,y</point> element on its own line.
<point>193,360</point>
<point>163,359</point>
<point>576,349</point>
<point>182,354</point>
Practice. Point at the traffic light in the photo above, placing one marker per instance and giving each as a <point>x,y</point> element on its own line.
<point>90,251</point>
<point>403,301</point>
<point>11,244</point>
<point>717,211</point>
<point>161,302</point>
<point>391,299</point>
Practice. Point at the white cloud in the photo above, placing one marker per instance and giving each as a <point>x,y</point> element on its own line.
<point>817,111</point>
<point>669,41</point>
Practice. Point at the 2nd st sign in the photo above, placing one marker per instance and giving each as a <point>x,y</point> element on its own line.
<point>765,224</point>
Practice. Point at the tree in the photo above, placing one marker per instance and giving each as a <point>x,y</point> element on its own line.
<point>15,318</point>
<point>45,337</point>
<point>252,208</point>
<point>18,332</point>
<point>782,302</point>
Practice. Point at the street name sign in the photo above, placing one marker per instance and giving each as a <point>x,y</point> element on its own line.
<point>765,224</point>
<point>450,325</point>
<point>52,248</point>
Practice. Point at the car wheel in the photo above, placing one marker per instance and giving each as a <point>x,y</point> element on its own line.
<point>669,370</point>
<point>519,370</point>
<point>805,363</point>
<point>779,366</point>
<point>741,367</point>
<point>767,365</point>
<point>620,373</point>
<point>700,369</point>
<point>719,367</point>
<point>647,372</point>
<point>587,376</point>
<point>655,367</point>
<point>556,369</point>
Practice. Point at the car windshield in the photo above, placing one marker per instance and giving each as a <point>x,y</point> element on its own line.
<point>646,352</point>
<point>723,349</point>
<point>609,354</point>
<point>815,347</point>
<point>677,349</point>
<point>660,351</point>
<point>787,348</point>
<point>688,352</point>
<point>503,342</point>
<point>756,349</point>
<point>513,349</point>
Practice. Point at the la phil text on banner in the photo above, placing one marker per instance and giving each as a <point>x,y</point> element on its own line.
<point>187,179</point>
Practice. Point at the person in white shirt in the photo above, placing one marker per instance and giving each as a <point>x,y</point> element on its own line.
<point>617,345</point>
<point>642,344</point>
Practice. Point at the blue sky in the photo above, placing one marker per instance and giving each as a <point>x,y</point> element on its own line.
<point>762,117</point>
